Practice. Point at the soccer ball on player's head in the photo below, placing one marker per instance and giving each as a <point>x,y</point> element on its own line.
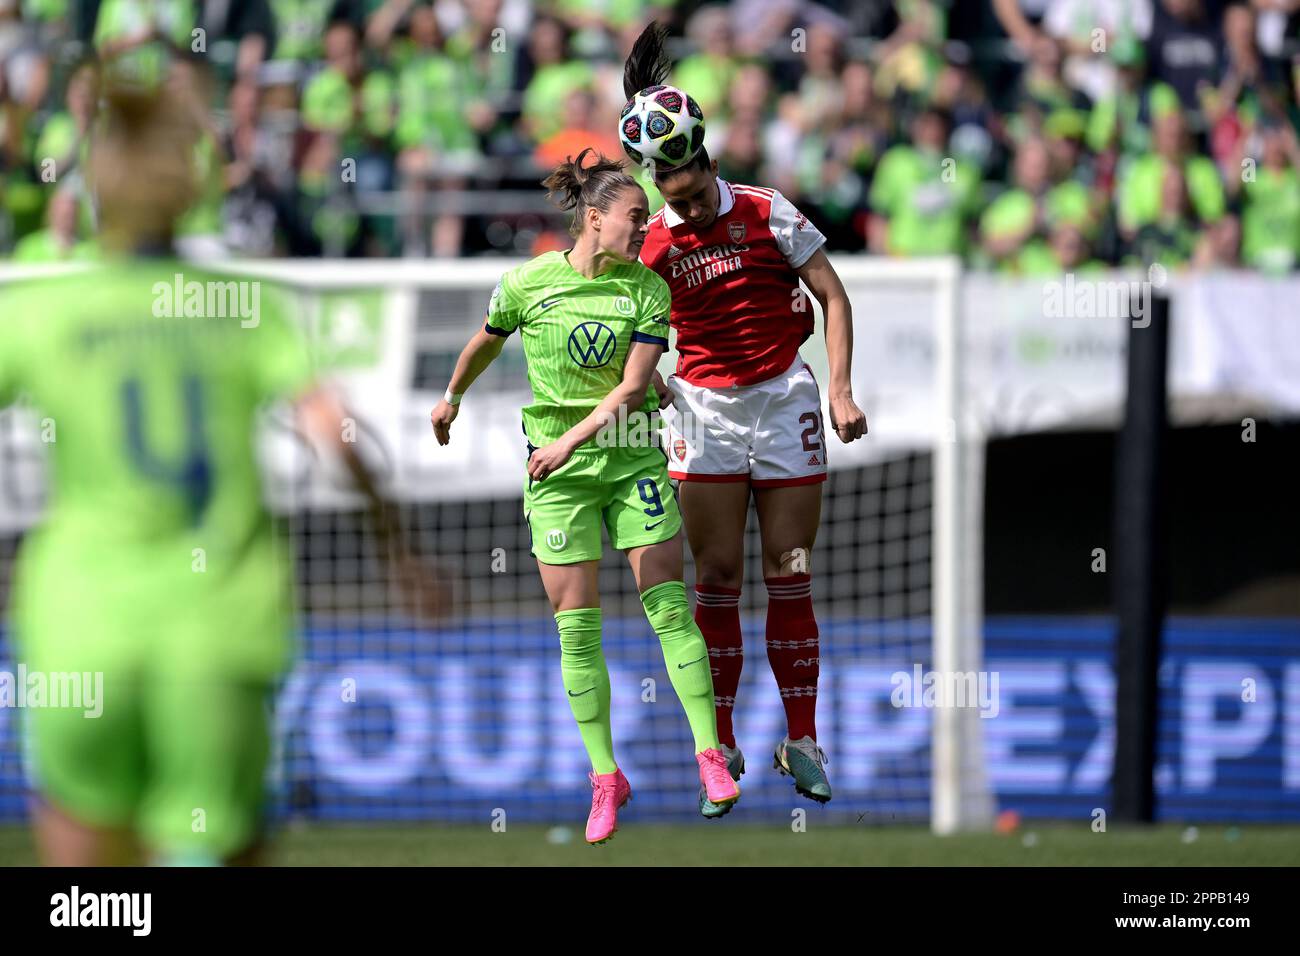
<point>661,125</point>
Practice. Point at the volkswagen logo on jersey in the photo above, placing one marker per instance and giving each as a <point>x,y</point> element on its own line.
<point>736,231</point>
<point>592,344</point>
<point>624,305</point>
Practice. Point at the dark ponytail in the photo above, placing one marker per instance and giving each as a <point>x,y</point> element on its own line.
<point>647,64</point>
<point>580,187</point>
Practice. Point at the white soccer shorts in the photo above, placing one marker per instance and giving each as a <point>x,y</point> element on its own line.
<point>769,434</point>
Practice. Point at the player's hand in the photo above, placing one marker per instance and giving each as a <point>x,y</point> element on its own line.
<point>548,459</point>
<point>442,416</point>
<point>665,393</point>
<point>847,419</point>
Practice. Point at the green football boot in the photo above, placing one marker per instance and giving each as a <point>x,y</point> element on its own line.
<point>803,760</point>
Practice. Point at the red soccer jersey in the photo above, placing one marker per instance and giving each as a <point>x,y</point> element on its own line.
<point>739,314</point>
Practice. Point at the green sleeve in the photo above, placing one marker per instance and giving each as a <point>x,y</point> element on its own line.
<point>1205,188</point>
<point>57,138</point>
<point>1102,124</point>
<point>1136,192</point>
<point>885,185</point>
<point>11,362</point>
<point>652,312</point>
<point>327,103</point>
<point>377,96</point>
<point>411,109</point>
<point>504,311</point>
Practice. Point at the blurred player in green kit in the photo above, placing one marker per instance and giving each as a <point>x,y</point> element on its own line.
<point>594,322</point>
<point>156,564</point>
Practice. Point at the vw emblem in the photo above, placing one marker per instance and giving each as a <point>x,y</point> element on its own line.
<point>592,345</point>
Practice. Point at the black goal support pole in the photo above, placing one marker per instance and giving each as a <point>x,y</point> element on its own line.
<point>1140,566</point>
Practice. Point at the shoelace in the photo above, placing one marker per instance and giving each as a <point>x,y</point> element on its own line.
<point>717,761</point>
<point>819,753</point>
<point>601,795</point>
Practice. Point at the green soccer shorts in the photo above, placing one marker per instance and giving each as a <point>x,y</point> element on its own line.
<point>625,489</point>
<point>178,740</point>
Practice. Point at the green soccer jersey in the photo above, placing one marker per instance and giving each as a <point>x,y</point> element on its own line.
<point>148,410</point>
<point>927,200</point>
<point>1270,221</point>
<point>576,334</point>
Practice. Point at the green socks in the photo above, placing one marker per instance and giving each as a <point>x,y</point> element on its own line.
<point>586,678</point>
<point>686,656</point>
<point>586,683</point>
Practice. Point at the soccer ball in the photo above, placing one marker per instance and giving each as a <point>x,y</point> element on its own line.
<point>663,125</point>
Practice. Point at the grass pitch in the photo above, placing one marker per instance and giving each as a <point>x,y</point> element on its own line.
<point>726,844</point>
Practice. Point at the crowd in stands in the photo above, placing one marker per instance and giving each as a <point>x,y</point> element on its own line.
<point>1026,136</point>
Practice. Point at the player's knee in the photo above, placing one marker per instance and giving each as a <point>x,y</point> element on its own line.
<point>579,632</point>
<point>794,561</point>
<point>715,574</point>
<point>666,608</point>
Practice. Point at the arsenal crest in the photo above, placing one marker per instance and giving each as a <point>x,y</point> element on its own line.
<point>736,231</point>
<point>679,449</point>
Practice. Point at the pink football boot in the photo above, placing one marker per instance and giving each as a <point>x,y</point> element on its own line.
<point>718,785</point>
<point>609,792</point>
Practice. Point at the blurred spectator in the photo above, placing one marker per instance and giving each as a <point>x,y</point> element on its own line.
<point>1067,249</point>
<point>62,139</point>
<point>1185,47</point>
<point>581,129</point>
<point>1270,218</point>
<point>405,127</point>
<point>837,158</point>
<point>345,98</point>
<point>709,72</point>
<point>1169,237</point>
<point>555,75</point>
<point>1219,245</point>
<point>1023,217</point>
<point>57,242</point>
<point>1146,193</point>
<point>978,133</point>
<point>909,58</point>
<point>923,199</point>
<point>138,39</point>
<point>1044,91</point>
<point>251,214</point>
<point>594,22</point>
<point>299,27</point>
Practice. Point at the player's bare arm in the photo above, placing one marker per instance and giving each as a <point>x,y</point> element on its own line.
<point>641,360</point>
<point>661,389</point>
<point>819,275</point>
<point>477,355</point>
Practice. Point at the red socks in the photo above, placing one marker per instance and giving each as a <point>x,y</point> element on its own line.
<point>793,649</point>
<point>717,614</point>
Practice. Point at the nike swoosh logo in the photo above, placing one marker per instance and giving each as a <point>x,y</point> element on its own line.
<point>587,691</point>
<point>547,304</point>
<point>688,664</point>
<point>651,527</point>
